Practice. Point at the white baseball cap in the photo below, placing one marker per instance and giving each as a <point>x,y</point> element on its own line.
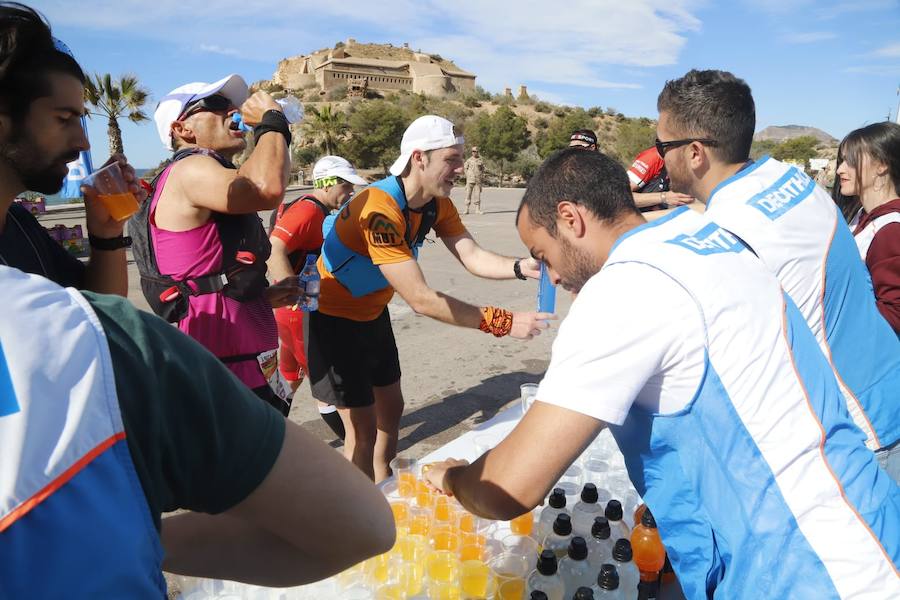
<point>425,133</point>
<point>172,105</point>
<point>335,166</point>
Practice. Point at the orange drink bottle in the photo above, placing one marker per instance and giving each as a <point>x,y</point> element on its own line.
<point>638,512</point>
<point>648,549</point>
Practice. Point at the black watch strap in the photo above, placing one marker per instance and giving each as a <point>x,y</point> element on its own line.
<point>517,269</point>
<point>122,241</point>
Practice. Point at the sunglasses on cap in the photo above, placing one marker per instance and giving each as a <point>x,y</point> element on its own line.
<point>215,103</point>
<point>663,147</point>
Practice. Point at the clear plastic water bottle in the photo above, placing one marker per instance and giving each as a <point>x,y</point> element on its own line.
<point>290,106</point>
<point>583,593</point>
<point>599,544</point>
<point>545,578</point>
<point>574,568</point>
<point>608,586</point>
<point>616,517</point>
<point>629,576</point>
<point>558,539</point>
<point>309,282</point>
<point>586,510</point>
<point>556,504</point>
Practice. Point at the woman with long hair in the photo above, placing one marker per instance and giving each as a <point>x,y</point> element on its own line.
<point>870,171</point>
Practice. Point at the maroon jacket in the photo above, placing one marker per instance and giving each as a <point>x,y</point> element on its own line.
<point>883,261</point>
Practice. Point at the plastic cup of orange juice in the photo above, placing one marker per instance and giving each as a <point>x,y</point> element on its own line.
<point>112,191</point>
<point>406,472</point>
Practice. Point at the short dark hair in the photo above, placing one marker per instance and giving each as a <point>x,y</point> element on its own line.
<point>881,142</point>
<point>716,105</point>
<point>28,53</point>
<point>589,179</point>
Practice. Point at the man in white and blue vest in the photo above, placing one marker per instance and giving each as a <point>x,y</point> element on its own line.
<point>706,123</point>
<point>733,427</point>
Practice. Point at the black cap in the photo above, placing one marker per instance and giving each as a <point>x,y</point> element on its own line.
<point>546,564</point>
<point>563,524</point>
<point>578,548</point>
<point>622,550</point>
<point>608,579</point>
<point>647,519</point>
<point>538,595</point>
<point>589,493</point>
<point>583,593</point>
<point>600,528</point>
<point>613,510</point>
<point>557,498</point>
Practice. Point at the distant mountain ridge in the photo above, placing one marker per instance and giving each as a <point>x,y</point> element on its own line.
<point>780,133</point>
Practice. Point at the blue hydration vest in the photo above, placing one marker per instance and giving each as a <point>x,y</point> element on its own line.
<point>355,271</point>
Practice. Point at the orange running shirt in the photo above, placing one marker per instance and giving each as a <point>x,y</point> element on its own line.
<point>373,225</point>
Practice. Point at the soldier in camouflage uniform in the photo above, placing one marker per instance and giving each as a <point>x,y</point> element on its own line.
<point>474,169</point>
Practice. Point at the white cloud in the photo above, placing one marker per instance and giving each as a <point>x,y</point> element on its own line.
<point>504,43</point>
<point>808,37</point>
<point>877,70</point>
<point>889,51</point>
<point>215,49</point>
<point>857,6</point>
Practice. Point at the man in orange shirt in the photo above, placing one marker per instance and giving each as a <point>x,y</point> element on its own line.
<point>296,232</point>
<point>369,252</point>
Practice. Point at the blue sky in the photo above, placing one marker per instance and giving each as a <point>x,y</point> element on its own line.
<point>832,65</point>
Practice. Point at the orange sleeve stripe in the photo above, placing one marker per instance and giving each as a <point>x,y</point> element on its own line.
<point>26,507</point>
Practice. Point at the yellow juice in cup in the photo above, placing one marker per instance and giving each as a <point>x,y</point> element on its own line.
<point>473,578</point>
<point>406,485</point>
<point>401,512</point>
<point>393,591</point>
<point>440,590</point>
<point>378,567</point>
<point>423,495</point>
<point>445,539</point>
<point>443,566</point>
<point>471,552</point>
<point>472,539</point>
<point>120,206</point>
<point>512,589</point>
<point>523,524</point>
<point>419,524</point>
<point>410,576</point>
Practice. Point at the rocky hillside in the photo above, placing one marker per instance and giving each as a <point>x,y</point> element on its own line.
<point>780,133</point>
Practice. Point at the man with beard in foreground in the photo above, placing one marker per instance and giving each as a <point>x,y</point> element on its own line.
<point>41,105</point>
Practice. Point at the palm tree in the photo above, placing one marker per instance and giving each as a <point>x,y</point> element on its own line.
<point>115,99</point>
<point>326,127</point>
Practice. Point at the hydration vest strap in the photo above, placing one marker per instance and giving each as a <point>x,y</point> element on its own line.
<point>236,358</point>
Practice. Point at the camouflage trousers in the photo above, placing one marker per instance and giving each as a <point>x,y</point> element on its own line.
<point>473,189</point>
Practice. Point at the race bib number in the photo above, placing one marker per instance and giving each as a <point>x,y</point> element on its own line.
<point>268,363</point>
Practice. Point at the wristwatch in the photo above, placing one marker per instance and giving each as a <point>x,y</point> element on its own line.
<point>122,241</point>
<point>517,269</point>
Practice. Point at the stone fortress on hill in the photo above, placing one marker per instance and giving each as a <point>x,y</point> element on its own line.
<point>375,67</point>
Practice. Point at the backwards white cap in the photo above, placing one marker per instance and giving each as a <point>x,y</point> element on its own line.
<point>425,133</point>
<point>171,106</point>
<point>335,166</point>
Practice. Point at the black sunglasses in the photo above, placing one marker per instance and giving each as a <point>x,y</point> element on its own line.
<point>215,103</point>
<point>663,147</point>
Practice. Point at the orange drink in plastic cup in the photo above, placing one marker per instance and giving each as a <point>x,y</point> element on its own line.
<point>523,524</point>
<point>410,576</point>
<point>391,591</point>
<point>444,538</point>
<point>112,191</point>
<point>423,494</point>
<point>419,521</point>
<point>472,539</point>
<point>512,589</point>
<point>401,512</point>
<point>443,566</point>
<point>474,579</point>
<point>442,590</point>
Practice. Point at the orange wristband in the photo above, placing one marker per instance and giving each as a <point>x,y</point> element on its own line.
<point>496,321</point>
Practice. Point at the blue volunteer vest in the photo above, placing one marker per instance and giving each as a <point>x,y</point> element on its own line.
<point>74,521</point>
<point>761,486</point>
<point>355,271</point>
<point>796,230</point>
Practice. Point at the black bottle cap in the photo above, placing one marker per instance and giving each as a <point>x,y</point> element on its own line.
<point>538,595</point>
<point>608,579</point>
<point>600,529</point>
<point>589,493</point>
<point>622,550</point>
<point>647,519</point>
<point>557,498</point>
<point>578,548</point>
<point>562,525</point>
<point>546,564</point>
<point>583,593</point>
<point>613,510</point>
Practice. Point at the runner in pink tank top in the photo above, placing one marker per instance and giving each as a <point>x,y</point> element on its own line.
<point>223,325</point>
